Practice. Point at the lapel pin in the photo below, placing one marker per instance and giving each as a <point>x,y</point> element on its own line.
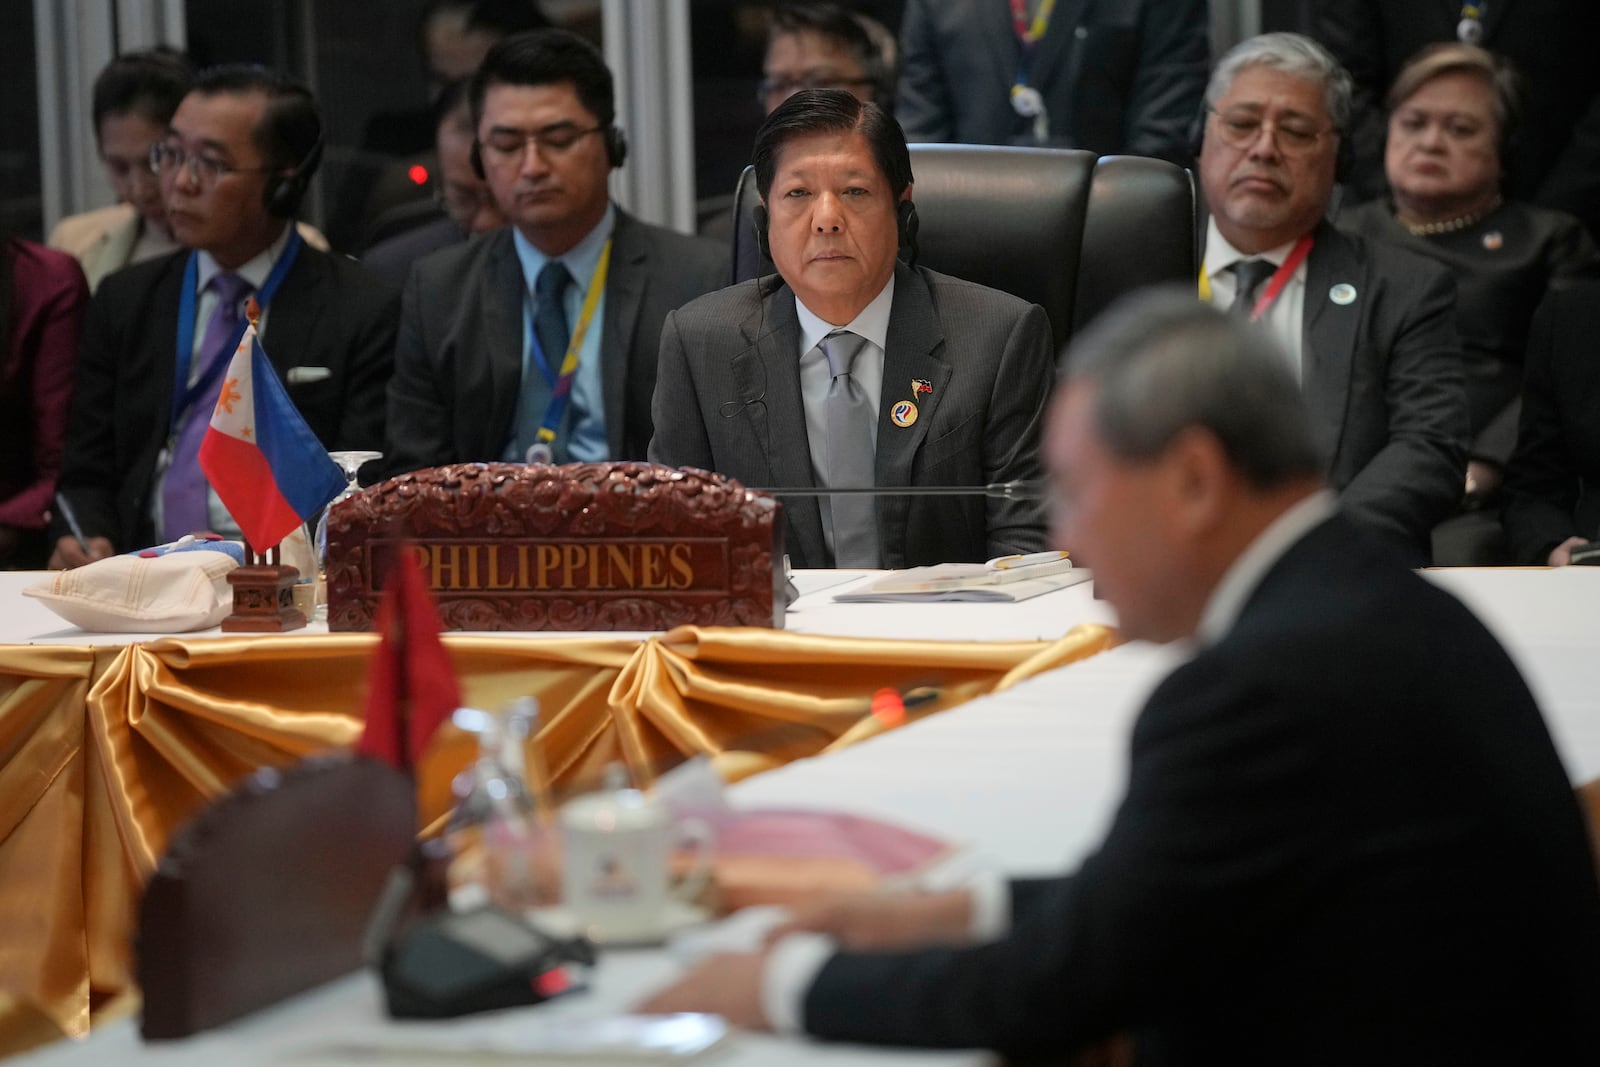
<point>1342,294</point>
<point>920,386</point>
<point>1493,240</point>
<point>903,414</point>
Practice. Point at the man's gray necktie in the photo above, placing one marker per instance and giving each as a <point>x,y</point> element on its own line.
<point>852,435</point>
<point>1249,275</point>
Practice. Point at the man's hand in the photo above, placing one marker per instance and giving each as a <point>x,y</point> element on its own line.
<point>877,921</point>
<point>1561,555</point>
<point>69,553</point>
<point>728,985</point>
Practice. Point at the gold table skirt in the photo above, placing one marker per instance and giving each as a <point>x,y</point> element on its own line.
<point>105,751</point>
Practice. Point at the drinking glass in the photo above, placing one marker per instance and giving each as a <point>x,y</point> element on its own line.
<point>350,462</point>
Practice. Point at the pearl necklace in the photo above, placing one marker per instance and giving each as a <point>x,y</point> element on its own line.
<point>1460,222</point>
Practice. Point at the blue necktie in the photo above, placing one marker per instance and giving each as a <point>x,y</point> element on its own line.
<point>551,329</point>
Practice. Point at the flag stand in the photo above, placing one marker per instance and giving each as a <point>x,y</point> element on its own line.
<point>263,595</point>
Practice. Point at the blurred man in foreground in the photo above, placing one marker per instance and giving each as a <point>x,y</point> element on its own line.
<point>1346,837</point>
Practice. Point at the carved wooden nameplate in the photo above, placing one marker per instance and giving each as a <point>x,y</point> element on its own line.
<point>581,546</point>
<point>263,600</point>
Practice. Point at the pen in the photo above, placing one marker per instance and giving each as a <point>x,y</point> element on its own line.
<point>72,523</point>
<point>1006,563</point>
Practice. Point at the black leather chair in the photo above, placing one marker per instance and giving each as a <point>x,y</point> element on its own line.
<point>1062,229</point>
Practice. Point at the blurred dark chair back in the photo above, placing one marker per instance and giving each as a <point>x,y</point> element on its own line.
<point>267,892</point>
<point>1062,229</point>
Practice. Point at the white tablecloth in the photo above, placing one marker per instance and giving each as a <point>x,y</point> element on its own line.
<point>1028,778</point>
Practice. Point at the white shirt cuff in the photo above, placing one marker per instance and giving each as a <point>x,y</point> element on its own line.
<point>792,965</point>
<point>991,906</point>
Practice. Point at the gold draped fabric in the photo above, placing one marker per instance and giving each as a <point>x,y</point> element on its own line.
<point>104,752</point>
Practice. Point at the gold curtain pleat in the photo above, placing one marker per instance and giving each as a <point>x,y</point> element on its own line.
<point>104,752</point>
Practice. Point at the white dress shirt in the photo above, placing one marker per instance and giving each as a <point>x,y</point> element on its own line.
<point>793,963</point>
<point>872,324</point>
<point>1286,317</point>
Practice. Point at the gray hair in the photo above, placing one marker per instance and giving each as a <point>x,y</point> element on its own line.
<point>1293,54</point>
<point>1163,362</point>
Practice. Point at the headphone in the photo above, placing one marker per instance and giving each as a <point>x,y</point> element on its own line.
<point>283,192</point>
<point>1343,160</point>
<point>616,151</point>
<point>906,224</point>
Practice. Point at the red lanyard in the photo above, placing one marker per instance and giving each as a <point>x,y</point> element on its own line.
<point>1280,277</point>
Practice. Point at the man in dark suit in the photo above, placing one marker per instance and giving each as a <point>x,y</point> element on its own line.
<point>465,205</point>
<point>241,149</point>
<point>1369,329</point>
<point>1554,475</point>
<point>539,341</point>
<point>1554,161</point>
<point>944,381</point>
<point>1121,78</point>
<point>1346,836</point>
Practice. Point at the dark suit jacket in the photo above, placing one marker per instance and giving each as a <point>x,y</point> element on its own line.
<point>1347,838</point>
<point>728,399</point>
<point>392,258</point>
<point>1554,160</point>
<point>327,313</point>
<point>1117,76</point>
<point>1554,477</point>
<point>458,362</point>
<point>1382,379</point>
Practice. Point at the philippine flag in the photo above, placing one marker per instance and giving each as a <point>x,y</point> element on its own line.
<point>267,467</point>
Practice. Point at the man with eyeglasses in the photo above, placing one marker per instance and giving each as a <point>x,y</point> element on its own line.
<point>537,343</point>
<point>464,198</point>
<point>824,46</point>
<point>234,164</point>
<point>1369,329</point>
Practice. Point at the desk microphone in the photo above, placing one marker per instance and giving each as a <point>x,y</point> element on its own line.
<point>997,490</point>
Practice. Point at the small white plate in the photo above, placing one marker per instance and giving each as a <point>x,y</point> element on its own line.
<point>677,915</point>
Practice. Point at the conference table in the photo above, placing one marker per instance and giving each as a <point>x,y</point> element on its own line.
<point>1025,777</point>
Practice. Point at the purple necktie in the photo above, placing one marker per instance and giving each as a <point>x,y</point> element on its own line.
<point>184,491</point>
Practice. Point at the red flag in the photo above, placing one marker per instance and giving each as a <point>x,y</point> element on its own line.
<point>411,687</point>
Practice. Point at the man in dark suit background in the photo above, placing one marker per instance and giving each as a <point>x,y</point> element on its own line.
<point>1369,329</point>
<point>1346,836</point>
<point>849,369</point>
<point>1114,78</point>
<point>489,330</point>
<point>241,149</point>
<point>464,204</point>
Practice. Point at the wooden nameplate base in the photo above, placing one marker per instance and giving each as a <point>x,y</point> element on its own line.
<point>263,597</point>
<point>580,546</point>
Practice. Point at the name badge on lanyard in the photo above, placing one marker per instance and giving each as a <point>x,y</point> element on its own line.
<point>1027,101</point>
<point>543,448</point>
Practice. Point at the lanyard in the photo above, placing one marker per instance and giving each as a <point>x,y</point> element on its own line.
<point>1026,33</point>
<point>183,394</point>
<point>1029,34</point>
<point>1280,278</point>
<point>561,387</point>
